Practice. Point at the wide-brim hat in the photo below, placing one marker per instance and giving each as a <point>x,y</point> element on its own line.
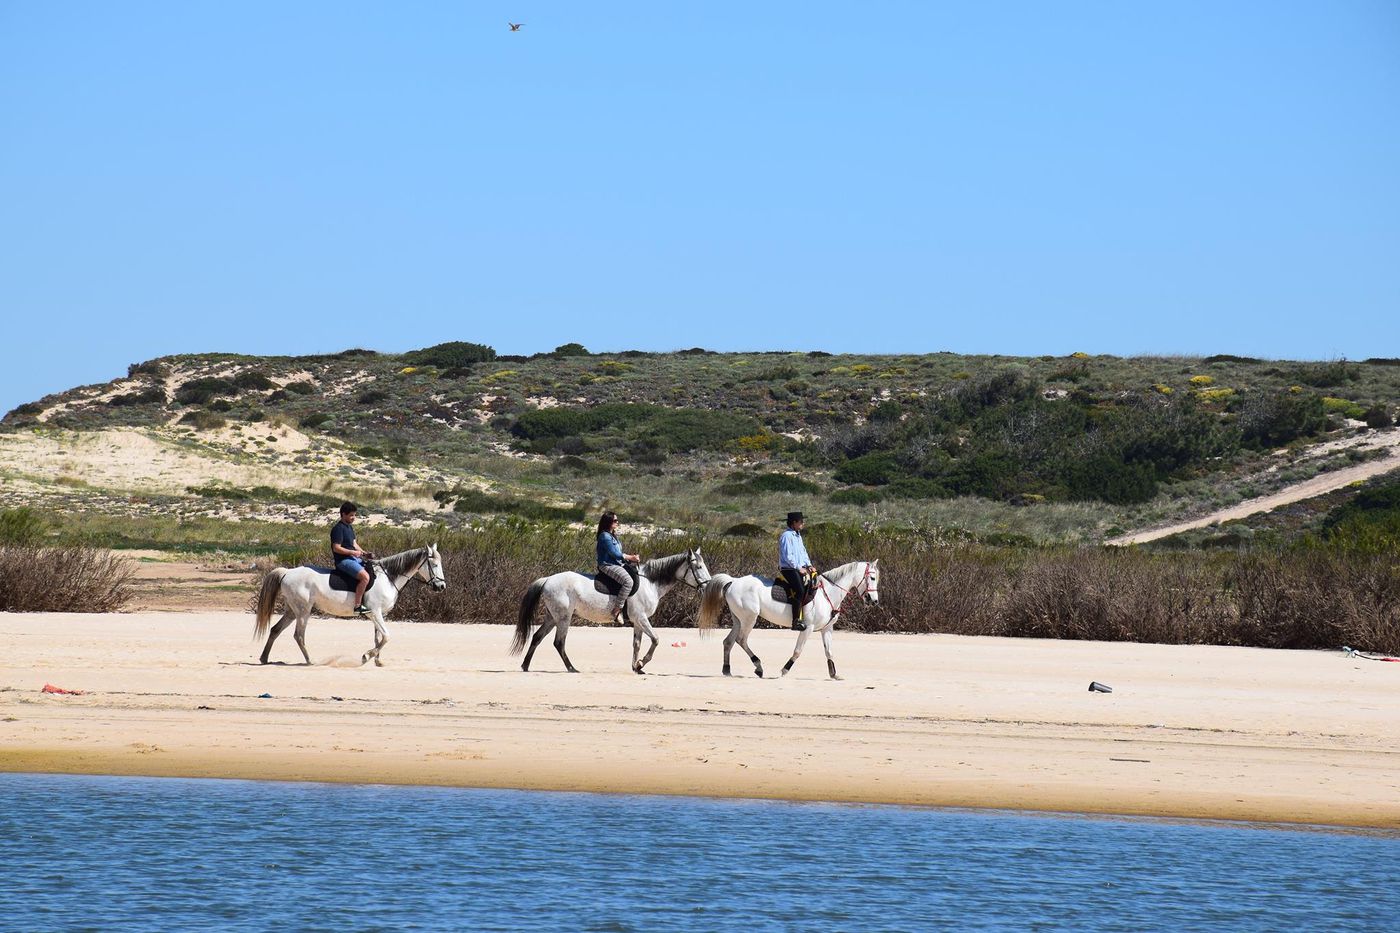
<point>794,517</point>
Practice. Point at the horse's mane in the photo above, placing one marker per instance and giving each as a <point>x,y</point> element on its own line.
<point>835,572</point>
<point>402,562</point>
<point>663,569</point>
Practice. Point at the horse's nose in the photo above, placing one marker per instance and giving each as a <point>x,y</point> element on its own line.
<point>439,586</point>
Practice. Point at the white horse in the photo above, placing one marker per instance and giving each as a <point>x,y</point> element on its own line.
<point>750,597</point>
<point>305,588</point>
<point>568,594</point>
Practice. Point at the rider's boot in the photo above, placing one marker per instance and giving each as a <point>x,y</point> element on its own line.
<point>797,624</point>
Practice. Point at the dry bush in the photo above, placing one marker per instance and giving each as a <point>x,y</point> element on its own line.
<point>63,579</point>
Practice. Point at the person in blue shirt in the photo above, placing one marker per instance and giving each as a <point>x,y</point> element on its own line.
<point>348,555</point>
<point>612,563</point>
<point>795,566</point>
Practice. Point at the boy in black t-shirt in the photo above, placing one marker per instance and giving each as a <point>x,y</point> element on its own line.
<point>347,554</point>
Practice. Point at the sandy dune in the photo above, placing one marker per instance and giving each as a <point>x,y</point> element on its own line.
<point>1189,731</point>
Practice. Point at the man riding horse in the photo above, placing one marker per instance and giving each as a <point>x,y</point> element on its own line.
<point>796,567</point>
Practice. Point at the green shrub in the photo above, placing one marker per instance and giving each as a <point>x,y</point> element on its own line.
<point>1377,417</point>
<point>313,420</point>
<point>1323,375</point>
<point>570,349</point>
<point>203,420</point>
<point>565,421</point>
<point>221,405</point>
<point>371,397</point>
<point>22,526</point>
<point>148,396</point>
<point>28,408</point>
<point>771,482</point>
<point>872,469</point>
<point>253,379</point>
<point>687,429</point>
<point>1229,358</point>
<point>201,391</point>
<point>1277,419</point>
<point>1343,406</point>
<point>148,368</point>
<point>745,530</point>
<point>856,495</point>
<point>475,501</point>
<point>455,355</point>
<point>301,388</point>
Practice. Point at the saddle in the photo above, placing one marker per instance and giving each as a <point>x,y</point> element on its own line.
<point>782,594</point>
<point>344,584</point>
<point>606,585</point>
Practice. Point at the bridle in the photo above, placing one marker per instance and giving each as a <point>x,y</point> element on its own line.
<point>690,560</point>
<point>847,593</point>
<point>412,575</point>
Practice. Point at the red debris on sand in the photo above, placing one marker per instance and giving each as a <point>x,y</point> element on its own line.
<point>50,688</point>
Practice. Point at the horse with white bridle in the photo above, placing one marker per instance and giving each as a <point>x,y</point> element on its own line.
<point>569,593</point>
<point>305,588</point>
<point>750,598</point>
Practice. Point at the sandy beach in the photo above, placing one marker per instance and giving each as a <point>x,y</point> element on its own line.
<point>1197,732</point>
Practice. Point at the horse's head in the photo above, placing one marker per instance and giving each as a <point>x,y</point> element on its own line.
<point>431,569</point>
<point>872,582</point>
<point>696,573</point>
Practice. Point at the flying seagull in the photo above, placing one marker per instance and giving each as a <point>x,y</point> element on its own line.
<point>514,27</point>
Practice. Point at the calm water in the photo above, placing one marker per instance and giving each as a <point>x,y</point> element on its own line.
<point>141,853</point>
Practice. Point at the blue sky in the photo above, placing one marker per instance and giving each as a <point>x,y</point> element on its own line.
<point>883,177</point>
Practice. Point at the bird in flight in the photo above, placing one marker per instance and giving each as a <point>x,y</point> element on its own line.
<point>514,27</point>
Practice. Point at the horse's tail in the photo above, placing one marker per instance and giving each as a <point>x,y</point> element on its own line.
<point>267,598</point>
<point>527,613</point>
<point>712,600</point>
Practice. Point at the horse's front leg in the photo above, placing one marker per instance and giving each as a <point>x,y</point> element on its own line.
<point>381,638</point>
<point>826,643</point>
<point>636,647</point>
<point>650,633</point>
<point>797,649</point>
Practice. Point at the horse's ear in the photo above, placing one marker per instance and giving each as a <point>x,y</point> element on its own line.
<point>875,562</point>
<point>697,552</point>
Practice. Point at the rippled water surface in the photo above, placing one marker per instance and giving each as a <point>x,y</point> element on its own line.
<point>141,853</point>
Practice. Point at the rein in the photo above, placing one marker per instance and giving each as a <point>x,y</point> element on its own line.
<point>410,576</point>
<point>846,593</point>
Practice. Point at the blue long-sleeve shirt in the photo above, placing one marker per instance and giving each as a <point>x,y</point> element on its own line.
<point>792,552</point>
<point>609,550</point>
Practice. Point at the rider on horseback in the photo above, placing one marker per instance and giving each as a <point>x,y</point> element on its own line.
<point>795,566</point>
<point>347,555</point>
<point>612,563</point>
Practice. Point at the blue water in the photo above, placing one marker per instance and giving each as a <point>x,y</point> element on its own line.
<point>147,853</point>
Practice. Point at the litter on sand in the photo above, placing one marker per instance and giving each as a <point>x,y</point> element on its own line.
<point>677,644</point>
<point>1096,687</point>
<point>264,696</point>
<point>1353,653</point>
<point>50,688</point>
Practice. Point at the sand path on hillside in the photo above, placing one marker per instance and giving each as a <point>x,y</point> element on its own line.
<point>1315,486</point>
<point>1189,731</point>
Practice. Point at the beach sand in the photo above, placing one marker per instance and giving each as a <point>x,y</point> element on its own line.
<point>1189,731</point>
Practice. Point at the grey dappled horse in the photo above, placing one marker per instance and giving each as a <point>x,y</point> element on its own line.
<point>569,593</point>
<point>750,597</point>
<point>305,588</point>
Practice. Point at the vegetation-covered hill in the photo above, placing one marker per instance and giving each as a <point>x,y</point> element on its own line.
<point>1050,448</point>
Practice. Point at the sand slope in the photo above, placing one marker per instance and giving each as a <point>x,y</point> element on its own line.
<point>1189,731</point>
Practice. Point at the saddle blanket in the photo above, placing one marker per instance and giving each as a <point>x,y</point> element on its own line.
<point>780,592</point>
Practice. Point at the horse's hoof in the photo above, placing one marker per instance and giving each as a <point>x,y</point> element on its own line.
<point>364,659</point>
<point>726,672</point>
<point>378,663</point>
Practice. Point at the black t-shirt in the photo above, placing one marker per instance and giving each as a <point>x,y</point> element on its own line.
<point>342,534</point>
